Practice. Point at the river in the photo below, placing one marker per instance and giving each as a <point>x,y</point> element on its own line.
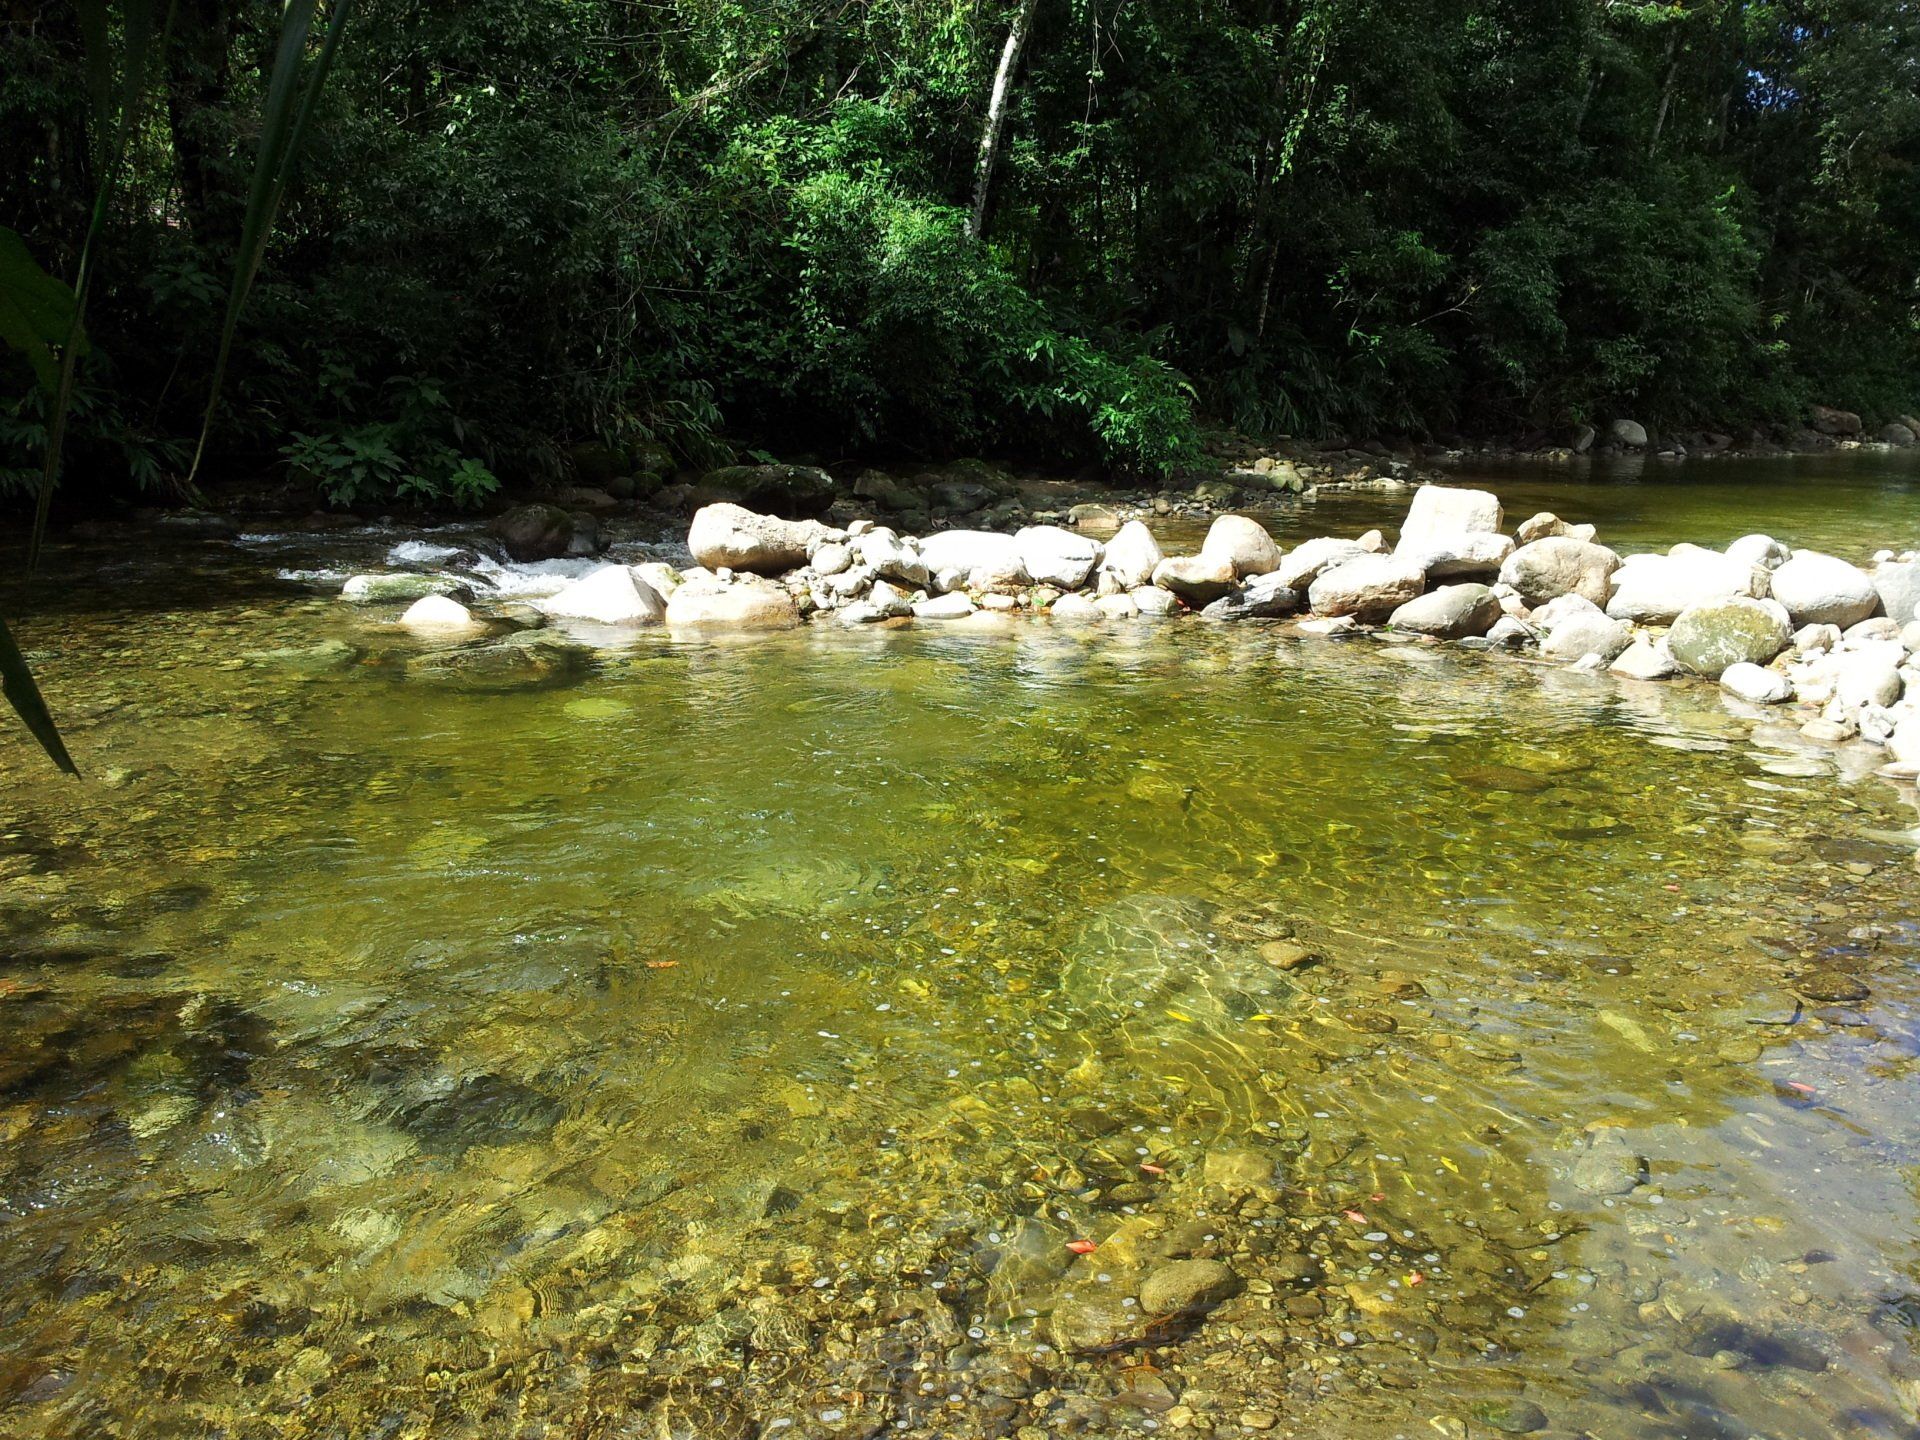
<point>831,1035</point>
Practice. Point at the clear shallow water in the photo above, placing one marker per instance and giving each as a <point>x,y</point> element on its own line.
<point>742,1033</point>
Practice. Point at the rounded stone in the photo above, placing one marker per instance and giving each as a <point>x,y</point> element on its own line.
<point>1188,1287</point>
<point>1709,638</point>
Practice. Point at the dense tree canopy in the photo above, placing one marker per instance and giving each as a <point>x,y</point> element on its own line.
<point>521,224</point>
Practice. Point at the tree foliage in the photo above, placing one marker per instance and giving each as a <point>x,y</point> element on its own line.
<point>520,224</point>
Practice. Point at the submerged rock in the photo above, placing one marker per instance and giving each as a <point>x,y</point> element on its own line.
<point>327,656</point>
<point>1188,1288</point>
<point>398,589</point>
<point>531,660</point>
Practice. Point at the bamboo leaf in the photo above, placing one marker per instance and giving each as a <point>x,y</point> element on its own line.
<point>288,110</point>
<point>23,693</point>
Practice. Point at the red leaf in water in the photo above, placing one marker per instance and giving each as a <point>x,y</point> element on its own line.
<point>663,964</point>
<point>1416,1278</point>
<point>1355,1216</point>
<point>1082,1247</point>
<point>1153,1169</point>
<point>1801,1086</point>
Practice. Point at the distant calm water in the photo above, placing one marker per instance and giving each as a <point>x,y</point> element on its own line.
<point>824,1035</point>
<point>1850,504</point>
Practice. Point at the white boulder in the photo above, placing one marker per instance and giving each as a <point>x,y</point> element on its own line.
<point>611,595</point>
<point>1824,590</point>
<point>1560,565</point>
<point>1369,588</point>
<point>1655,589</point>
<point>1057,557</point>
<point>438,613</point>
<point>1304,563</point>
<point>1244,543</point>
<point>1751,683</point>
<point>732,537</point>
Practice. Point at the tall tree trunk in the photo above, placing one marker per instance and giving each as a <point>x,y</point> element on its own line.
<point>997,116</point>
<point>1666,93</point>
<point>199,106</point>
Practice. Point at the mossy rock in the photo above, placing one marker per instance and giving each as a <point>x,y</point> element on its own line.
<point>1707,639</point>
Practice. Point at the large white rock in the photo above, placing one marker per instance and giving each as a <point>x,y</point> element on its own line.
<point>732,537</point>
<point>1762,550</point>
<point>1369,588</point>
<point>1446,557</point>
<point>1302,565</point>
<point>1130,557</point>
<point>1904,744</point>
<point>1061,558</point>
<point>708,603</point>
<point>1244,543</point>
<point>1630,433</point>
<point>1586,632</point>
<point>1753,684</point>
<point>1645,660</point>
<point>1118,607</point>
<point>1442,512</point>
<point>437,613</point>
<point>1453,612</point>
<point>1869,675</point>
<point>1898,585</point>
<point>1824,590</point>
<point>1197,579</point>
<point>1154,602</point>
<point>1560,565</point>
<point>956,606</point>
<point>1655,589</point>
<point>611,595</point>
<point>884,553</point>
<point>1075,610</point>
<point>974,560</point>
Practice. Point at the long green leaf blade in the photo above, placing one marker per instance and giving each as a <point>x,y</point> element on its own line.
<point>288,108</point>
<point>23,693</point>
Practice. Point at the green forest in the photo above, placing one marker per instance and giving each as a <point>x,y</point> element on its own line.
<point>1072,231</point>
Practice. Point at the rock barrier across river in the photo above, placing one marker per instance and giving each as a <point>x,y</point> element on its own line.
<point>1771,625</point>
